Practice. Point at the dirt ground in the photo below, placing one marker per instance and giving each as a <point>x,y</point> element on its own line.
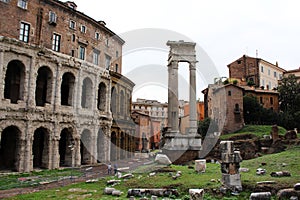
<point>89,172</point>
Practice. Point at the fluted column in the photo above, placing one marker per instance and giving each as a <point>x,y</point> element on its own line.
<point>193,106</point>
<point>173,122</point>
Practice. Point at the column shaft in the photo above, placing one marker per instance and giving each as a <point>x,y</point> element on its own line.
<point>173,111</point>
<point>193,104</point>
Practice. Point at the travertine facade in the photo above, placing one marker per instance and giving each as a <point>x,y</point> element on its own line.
<point>59,70</point>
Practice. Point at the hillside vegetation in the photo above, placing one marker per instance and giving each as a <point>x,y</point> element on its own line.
<point>255,130</point>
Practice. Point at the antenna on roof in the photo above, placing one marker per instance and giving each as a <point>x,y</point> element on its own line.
<point>256,53</point>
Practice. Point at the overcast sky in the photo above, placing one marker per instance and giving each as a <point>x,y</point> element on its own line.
<point>225,30</point>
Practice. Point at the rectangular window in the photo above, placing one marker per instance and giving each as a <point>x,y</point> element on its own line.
<point>117,67</point>
<point>107,62</point>
<point>83,29</point>
<point>24,32</point>
<point>52,17</point>
<point>97,36</point>
<point>72,24</point>
<point>261,100</point>
<point>56,42</point>
<point>269,72</point>
<point>262,69</point>
<point>271,100</point>
<point>275,74</point>
<point>22,4</point>
<point>96,54</point>
<point>81,52</point>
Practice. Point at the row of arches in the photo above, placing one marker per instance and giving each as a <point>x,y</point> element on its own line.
<point>70,150</point>
<point>15,86</point>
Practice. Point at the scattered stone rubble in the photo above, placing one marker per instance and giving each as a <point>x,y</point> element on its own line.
<point>140,192</point>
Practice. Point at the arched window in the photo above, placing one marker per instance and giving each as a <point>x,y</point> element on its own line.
<point>101,97</point>
<point>14,81</point>
<point>85,147</point>
<point>67,89</point>
<point>113,105</point>
<point>87,93</point>
<point>122,103</point>
<point>43,89</point>
<point>237,108</point>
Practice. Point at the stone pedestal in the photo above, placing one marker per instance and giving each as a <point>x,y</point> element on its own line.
<point>181,148</point>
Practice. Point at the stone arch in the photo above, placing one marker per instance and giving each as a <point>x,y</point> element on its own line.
<point>113,105</point>
<point>122,103</point>
<point>67,148</point>
<point>113,148</point>
<point>14,81</point>
<point>10,148</point>
<point>43,91</point>
<point>87,93</point>
<point>40,148</point>
<point>85,147</point>
<point>101,97</point>
<point>101,145</point>
<point>67,89</point>
<point>123,145</point>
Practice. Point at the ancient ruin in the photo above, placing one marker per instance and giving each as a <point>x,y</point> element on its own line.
<point>181,147</point>
<point>63,99</point>
<point>230,165</point>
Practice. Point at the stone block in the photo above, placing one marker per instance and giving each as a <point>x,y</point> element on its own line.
<point>200,165</point>
<point>232,180</point>
<point>260,196</point>
<point>108,190</point>
<point>196,194</point>
<point>226,146</point>
<point>297,186</point>
<point>162,159</point>
<point>288,193</point>
<point>116,193</point>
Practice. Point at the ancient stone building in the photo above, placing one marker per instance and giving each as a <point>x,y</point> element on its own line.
<point>63,99</point>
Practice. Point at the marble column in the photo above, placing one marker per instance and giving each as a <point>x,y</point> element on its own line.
<point>193,103</point>
<point>173,106</point>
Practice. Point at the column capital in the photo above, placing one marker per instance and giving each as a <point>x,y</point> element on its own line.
<point>173,64</point>
<point>192,65</point>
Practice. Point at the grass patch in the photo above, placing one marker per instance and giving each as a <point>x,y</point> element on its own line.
<point>254,130</point>
<point>285,161</point>
<point>189,179</point>
<point>19,180</point>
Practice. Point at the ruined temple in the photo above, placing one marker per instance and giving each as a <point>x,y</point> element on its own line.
<point>64,100</point>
